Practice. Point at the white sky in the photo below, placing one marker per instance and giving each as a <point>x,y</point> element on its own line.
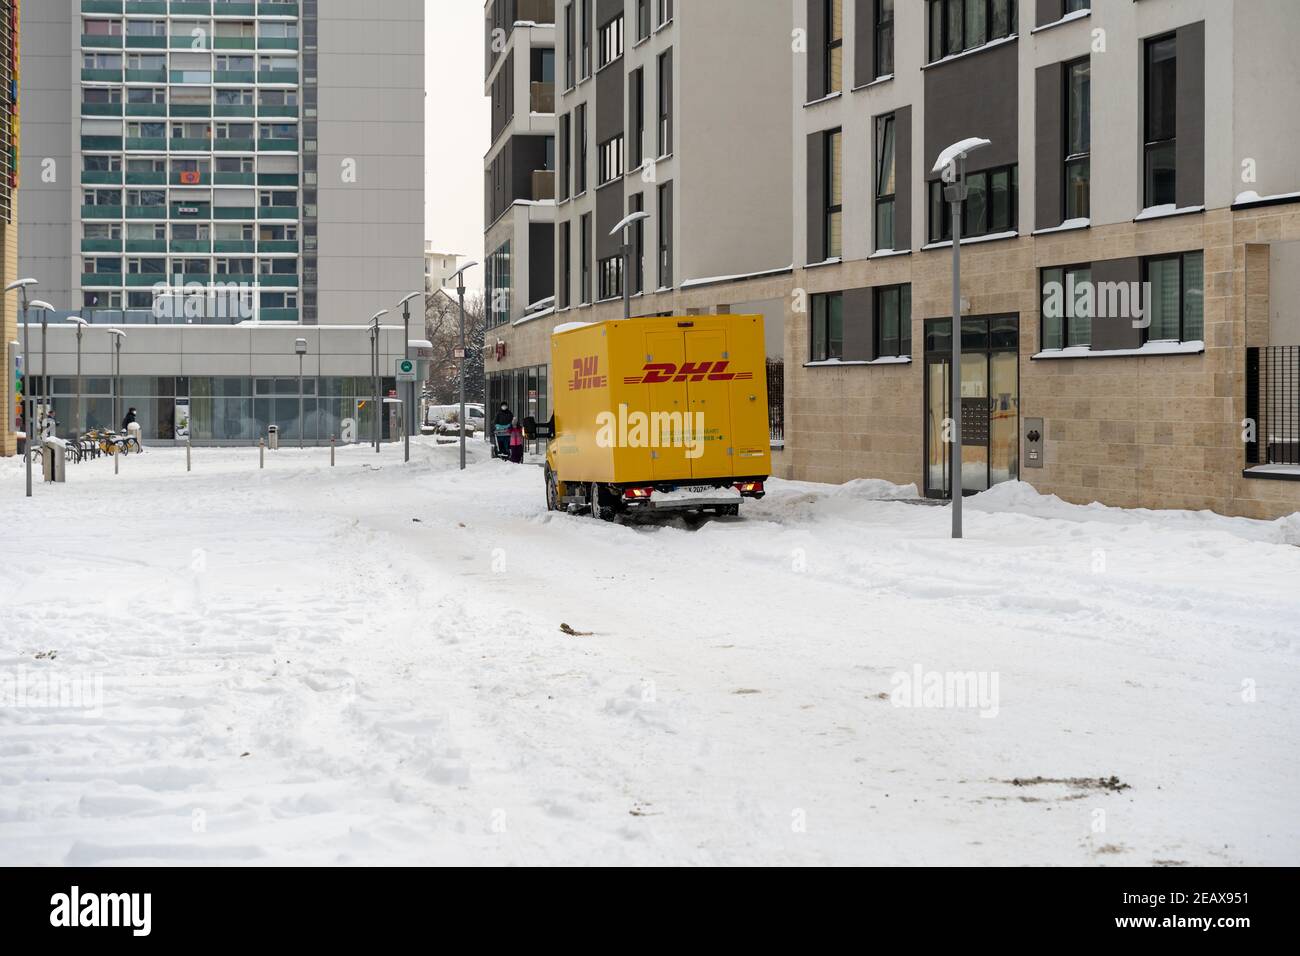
<point>458,122</point>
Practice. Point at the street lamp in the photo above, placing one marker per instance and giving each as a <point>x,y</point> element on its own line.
<point>46,397</point>
<point>374,364</point>
<point>76,413</point>
<point>21,285</point>
<point>407,406</point>
<point>952,165</point>
<point>300,346</point>
<point>626,250</point>
<point>118,337</point>
<point>459,276</point>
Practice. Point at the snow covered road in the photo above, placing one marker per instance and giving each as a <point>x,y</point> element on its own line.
<point>365,665</point>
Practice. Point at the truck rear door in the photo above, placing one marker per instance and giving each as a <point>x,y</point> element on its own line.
<point>667,394</point>
<point>709,401</point>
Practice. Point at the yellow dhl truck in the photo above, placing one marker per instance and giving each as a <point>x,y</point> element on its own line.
<point>658,415</point>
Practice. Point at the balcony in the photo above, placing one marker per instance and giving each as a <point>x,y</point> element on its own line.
<point>102,76</point>
<point>146,212</point>
<point>289,77</point>
<point>543,184</point>
<point>278,315</point>
<point>191,210</point>
<point>277,245</point>
<point>280,280</point>
<point>100,280</point>
<point>192,245</point>
<point>101,6</point>
<point>101,109</point>
<point>234,179</point>
<point>146,6</point>
<point>101,212</point>
<point>146,177</point>
<point>191,8</point>
<point>101,177</point>
<point>234,76</point>
<point>195,179</point>
<point>277,43</point>
<point>184,41</point>
<point>233,8</point>
<point>90,144</point>
<point>233,43</point>
<point>225,145</point>
<point>234,245</point>
<point>146,245</point>
<point>234,109</point>
<point>277,212</point>
<point>158,75</point>
<point>270,9</point>
<point>541,97</point>
<point>145,279</point>
<point>142,42</point>
<point>99,41</point>
<point>203,110</point>
<point>277,179</point>
<point>267,112</point>
<point>156,144</point>
<point>192,144</point>
<point>146,109</point>
<point>101,245</point>
<point>234,212</point>
<point>268,145</point>
<point>193,77</point>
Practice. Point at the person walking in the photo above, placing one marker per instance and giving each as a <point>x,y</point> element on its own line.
<point>516,433</point>
<point>501,430</point>
<point>132,427</point>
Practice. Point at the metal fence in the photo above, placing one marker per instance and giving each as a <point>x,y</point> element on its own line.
<point>1273,404</point>
<point>776,399</point>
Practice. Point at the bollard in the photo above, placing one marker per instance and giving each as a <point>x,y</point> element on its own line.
<point>117,453</point>
<point>187,454</point>
<point>331,451</point>
<point>261,453</point>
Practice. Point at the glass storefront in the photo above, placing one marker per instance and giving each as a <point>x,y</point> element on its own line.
<point>525,390</point>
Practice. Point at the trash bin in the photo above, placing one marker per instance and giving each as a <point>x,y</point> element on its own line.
<point>273,437</point>
<point>54,461</point>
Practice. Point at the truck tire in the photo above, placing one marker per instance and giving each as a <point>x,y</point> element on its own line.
<point>601,507</point>
<point>552,491</point>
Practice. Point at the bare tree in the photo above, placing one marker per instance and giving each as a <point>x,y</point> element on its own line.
<point>442,328</point>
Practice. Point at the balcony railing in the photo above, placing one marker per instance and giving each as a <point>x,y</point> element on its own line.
<point>101,212</point>
<point>158,75</point>
<point>277,76</point>
<point>233,43</point>
<point>233,8</point>
<point>146,109</point>
<point>145,42</point>
<point>234,212</point>
<point>146,245</point>
<point>101,6</point>
<point>233,245</point>
<point>191,245</point>
<point>279,280</point>
<point>103,76</point>
<point>1273,404</point>
<point>278,315</point>
<point>277,212</point>
<point>234,109</point>
<point>146,177</point>
<point>543,184</point>
<point>268,144</point>
<point>101,245</point>
<point>146,212</point>
<point>234,179</point>
<point>277,245</point>
<point>146,6</point>
<point>99,280</point>
<point>277,179</point>
<point>542,97</point>
<point>224,144</point>
<point>101,177</point>
<point>150,143</point>
<point>101,109</point>
<point>102,41</point>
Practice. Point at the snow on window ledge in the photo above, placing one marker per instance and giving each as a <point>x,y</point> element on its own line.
<point>972,51</point>
<point>1250,198</point>
<point>1278,472</point>
<point>1068,226</point>
<point>886,253</point>
<point>1193,347</point>
<point>834,261</point>
<point>883,360</point>
<point>970,240</point>
<point>1068,18</point>
<point>1165,211</point>
<point>824,99</point>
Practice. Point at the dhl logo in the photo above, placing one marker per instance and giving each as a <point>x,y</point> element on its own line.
<point>586,374</point>
<point>657,373</point>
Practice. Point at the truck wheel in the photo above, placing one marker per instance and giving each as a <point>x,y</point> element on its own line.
<point>600,508</point>
<point>552,492</point>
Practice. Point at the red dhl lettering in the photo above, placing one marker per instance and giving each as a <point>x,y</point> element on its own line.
<point>585,374</point>
<point>659,373</point>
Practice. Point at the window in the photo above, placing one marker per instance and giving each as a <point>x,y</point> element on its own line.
<point>500,285</point>
<point>146,61</point>
<point>101,164</point>
<point>636,118</point>
<point>581,150</point>
<point>833,78</point>
<point>885,182</point>
<point>665,98</point>
<point>566,152</point>
<point>827,327</point>
<point>665,11</point>
<point>893,310</point>
<point>958,25</point>
<point>642,19</point>
<point>146,94</point>
<point>569,39</point>
<point>884,38</point>
<point>833,221</point>
<point>611,277</point>
<point>584,267</point>
<point>1160,122</point>
<point>665,223</point>
<point>585,41</point>
<point>610,156</point>
<point>1075,6</point>
<point>990,205</point>
<point>1078,137</point>
<point>104,28</point>
<point>566,265</point>
<point>611,41</point>
<point>102,61</point>
<point>101,94</point>
<point>101,265</point>
<point>1068,307</point>
<point>146,28</point>
<point>637,204</point>
<point>1176,309</point>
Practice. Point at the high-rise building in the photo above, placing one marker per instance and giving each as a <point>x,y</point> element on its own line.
<point>218,160</point>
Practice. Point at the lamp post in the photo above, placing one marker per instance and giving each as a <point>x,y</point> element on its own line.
<point>118,337</point>
<point>300,346</point>
<point>21,285</point>
<point>626,250</point>
<point>408,400</point>
<point>952,165</point>
<point>76,409</point>
<point>374,346</point>
<point>459,276</point>
<point>46,397</point>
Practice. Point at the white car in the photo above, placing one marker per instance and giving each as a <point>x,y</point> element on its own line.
<point>442,418</point>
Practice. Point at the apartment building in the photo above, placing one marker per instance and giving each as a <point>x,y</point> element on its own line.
<point>438,267</point>
<point>674,110</point>
<point>1130,251</point>
<point>224,160</point>
<point>9,120</point>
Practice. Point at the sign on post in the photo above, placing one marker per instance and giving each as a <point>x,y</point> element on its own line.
<point>405,370</point>
<point>458,352</point>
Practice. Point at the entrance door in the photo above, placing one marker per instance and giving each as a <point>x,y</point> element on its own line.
<point>990,400</point>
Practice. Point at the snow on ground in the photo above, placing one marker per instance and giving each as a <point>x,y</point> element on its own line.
<point>365,665</point>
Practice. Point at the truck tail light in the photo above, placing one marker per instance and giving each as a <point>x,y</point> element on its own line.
<point>637,493</point>
<point>750,488</point>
